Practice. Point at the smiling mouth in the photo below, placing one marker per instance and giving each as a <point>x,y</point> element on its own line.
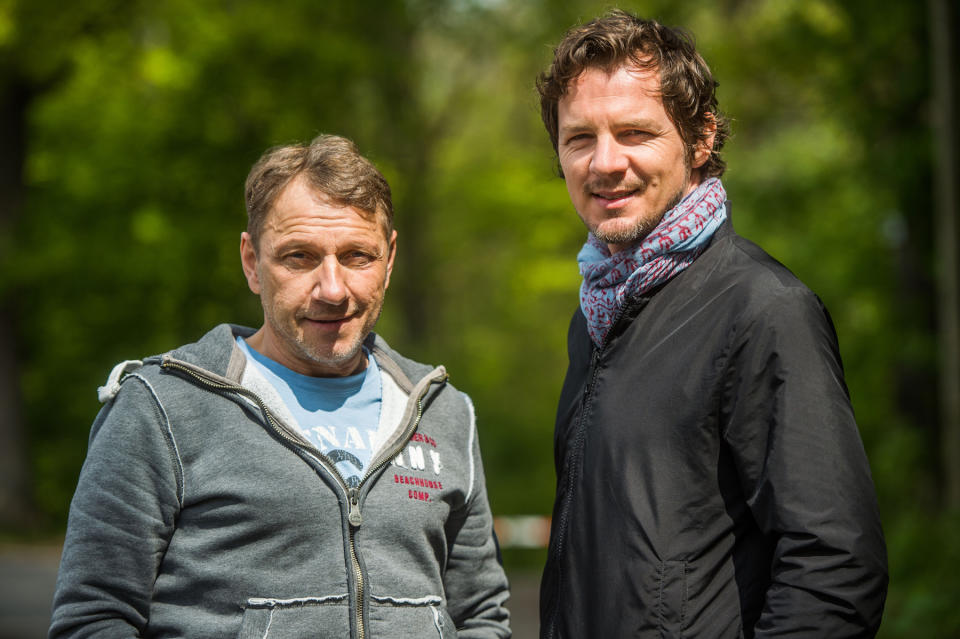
<point>614,195</point>
<point>329,321</point>
<point>613,199</point>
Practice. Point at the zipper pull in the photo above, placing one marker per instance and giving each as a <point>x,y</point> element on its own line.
<point>354,516</point>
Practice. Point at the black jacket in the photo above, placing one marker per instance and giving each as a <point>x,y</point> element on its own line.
<point>711,481</point>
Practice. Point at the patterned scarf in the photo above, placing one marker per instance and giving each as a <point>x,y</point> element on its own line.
<point>679,238</point>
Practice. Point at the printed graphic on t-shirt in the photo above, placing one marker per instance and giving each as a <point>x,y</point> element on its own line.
<point>340,416</point>
<point>346,447</point>
<point>418,468</point>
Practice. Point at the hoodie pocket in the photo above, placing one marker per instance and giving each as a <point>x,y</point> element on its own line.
<point>299,618</point>
<point>403,618</point>
<point>672,599</point>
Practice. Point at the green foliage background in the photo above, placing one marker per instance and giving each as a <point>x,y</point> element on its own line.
<point>149,114</point>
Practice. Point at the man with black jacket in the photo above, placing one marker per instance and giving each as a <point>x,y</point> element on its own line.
<point>711,481</point>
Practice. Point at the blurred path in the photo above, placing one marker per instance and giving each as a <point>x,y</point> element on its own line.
<point>524,604</point>
<point>27,577</point>
<point>28,574</point>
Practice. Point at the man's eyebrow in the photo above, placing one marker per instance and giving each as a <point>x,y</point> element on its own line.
<point>290,243</point>
<point>640,123</point>
<point>576,127</point>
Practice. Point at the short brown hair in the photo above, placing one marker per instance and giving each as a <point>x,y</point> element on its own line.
<point>687,87</point>
<point>332,165</point>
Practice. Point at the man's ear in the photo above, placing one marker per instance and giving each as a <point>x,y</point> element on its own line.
<point>704,146</point>
<point>248,259</point>
<point>391,253</point>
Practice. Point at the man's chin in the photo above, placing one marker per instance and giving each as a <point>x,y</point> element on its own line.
<point>624,236</point>
<point>334,358</point>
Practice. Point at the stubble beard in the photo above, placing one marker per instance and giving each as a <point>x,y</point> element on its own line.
<point>640,229</point>
<point>319,354</point>
<point>645,224</point>
<point>339,357</point>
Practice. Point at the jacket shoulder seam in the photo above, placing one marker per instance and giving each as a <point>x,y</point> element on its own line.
<point>167,431</point>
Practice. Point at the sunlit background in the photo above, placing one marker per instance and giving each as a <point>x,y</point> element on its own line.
<point>129,127</point>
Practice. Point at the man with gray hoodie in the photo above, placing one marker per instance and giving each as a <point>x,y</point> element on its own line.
<point>298,480</point>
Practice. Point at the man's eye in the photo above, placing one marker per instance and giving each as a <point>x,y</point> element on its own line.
<point>574,139</point>
<point>357,258</point>
<point>295,258</point>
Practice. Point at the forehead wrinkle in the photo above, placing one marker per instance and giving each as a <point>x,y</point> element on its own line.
<point>330,235</point>
<point>302,209</point>
<point>324,199</point>
<point>641,75</point>
<point>597,92</point>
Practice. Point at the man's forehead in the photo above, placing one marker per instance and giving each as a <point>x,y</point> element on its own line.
<point>649,75</point>
<point>613,90</point>
<point>300,193</point>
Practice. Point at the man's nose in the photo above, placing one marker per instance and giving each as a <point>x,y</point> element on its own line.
<point>329,286</point>
<point>608,156</point>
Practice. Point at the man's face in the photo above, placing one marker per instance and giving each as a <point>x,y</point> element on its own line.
<point>623,159</point>
<point>321,272</point>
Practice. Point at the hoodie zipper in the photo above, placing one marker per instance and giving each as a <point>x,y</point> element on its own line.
<point>354,517</point>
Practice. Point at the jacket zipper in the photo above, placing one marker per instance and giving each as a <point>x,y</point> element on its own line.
<point>571,477</point>
<point>574,457</point>
<point>354,518</point>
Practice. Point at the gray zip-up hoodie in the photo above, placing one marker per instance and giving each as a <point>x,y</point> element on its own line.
<point>201,512</point>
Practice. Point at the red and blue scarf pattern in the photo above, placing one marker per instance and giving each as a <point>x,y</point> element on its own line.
<point>679,238</point>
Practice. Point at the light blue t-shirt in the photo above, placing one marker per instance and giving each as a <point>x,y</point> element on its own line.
<point>338,415</point>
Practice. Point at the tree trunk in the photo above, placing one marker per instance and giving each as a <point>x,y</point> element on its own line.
<point>15,497</point>
<point>943,25</point>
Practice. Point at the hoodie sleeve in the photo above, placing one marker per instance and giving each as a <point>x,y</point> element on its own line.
<point>121,519</point>
<point>475,583</point>
<point>804,472</point>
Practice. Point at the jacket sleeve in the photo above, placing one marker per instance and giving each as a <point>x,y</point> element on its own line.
<point>475,583</point>
<point>804,473</point>
<point>121,518</point>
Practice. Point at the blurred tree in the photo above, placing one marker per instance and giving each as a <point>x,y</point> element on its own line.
<point>945,24</point>
<point>131,126</point>
<point>34,58</point>
<point>138,157</point>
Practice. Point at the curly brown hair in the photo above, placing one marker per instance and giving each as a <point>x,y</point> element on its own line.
<point>332,165</point>
<point>687,87</point>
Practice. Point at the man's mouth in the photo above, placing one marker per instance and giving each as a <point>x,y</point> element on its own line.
<point>329,322</point>
<point>613,199</point>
